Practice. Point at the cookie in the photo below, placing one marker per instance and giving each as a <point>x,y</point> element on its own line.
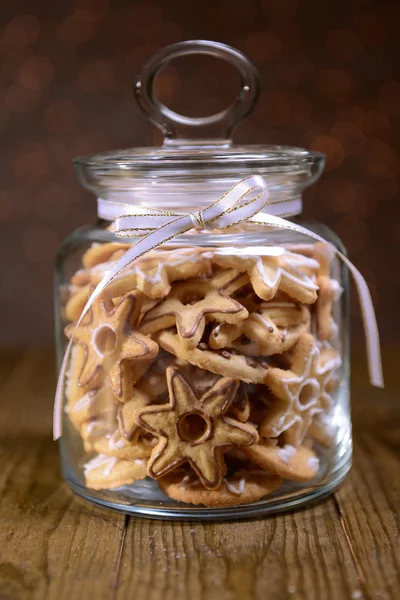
<point>329,288</point>
<point>153,273</point>
<point>194,429</point>
<point>120,286</point>
<point>242,487</point>
<point>112,443</point>
<point>298,384</point>
<point>301,393</point>
<point>126,414</point>
<point>100,253</point>
<point>110,341</point>
<point>273,328</point>
<point>295,464</point>
<point>109,472</point>
<point>96,403</point>
<point>271,268</point>
<point>240,407</point>
<point>73,391</point>
<point>77,302</point>
<point>322,430</point>
<point>221,362</point>
<point>190,304</point>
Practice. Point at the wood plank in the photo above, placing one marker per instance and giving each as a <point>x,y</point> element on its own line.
<point>27,395</point>
<point>370,501</point>
<point>53,545</point>
<point>298,555</point>
<point>8,359</point>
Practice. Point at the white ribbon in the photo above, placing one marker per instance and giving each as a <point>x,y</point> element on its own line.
<point>243,202</point>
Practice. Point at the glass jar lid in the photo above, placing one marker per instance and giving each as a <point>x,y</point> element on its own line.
<point>191,163</point>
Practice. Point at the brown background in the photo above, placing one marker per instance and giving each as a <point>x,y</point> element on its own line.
<point>329,79</point>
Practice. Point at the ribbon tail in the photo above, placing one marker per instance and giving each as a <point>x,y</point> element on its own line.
<point>370,325</point>
<point>144,245</point>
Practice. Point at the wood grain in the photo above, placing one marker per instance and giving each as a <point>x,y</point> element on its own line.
<point>54,545</point>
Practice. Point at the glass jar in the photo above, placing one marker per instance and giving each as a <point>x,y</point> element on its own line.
<point>210,378</point>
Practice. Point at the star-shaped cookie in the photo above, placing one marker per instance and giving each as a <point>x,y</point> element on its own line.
<point>110,341</point>
<point>191,303</point>
<point>301,393</point>
<point>274,327</point>
<point>194,429</point>
<point>271,268</point>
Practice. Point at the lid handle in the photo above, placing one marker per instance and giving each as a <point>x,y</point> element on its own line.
<point>172,123</point>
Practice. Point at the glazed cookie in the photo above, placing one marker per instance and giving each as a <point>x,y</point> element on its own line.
<point>301,393</point>
<point>329,289</point>
<point>297,385</point>
<point>221,362</point>
<point>154,273</point>
<point>126,414</point>
<point>242,487</point>
<point>110,341</point>
<point>108,472</point>
<point>118,288</point>
<point>295,464</point>
<point>274,327</point>
<point>191,304</point>
<point>271,268</point>
<point>193,429</point>
<point>114,444</point>
<point>96,403</point>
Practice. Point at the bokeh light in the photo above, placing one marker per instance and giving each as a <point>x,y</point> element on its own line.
<point>96,77</point>
<point>344,46</point>
<point>334,85</point>
<point>263,47</point>
<point>22,30</point>
<point>330,82</point>
<point>61,117</point>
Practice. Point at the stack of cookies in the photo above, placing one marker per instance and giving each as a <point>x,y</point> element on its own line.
<point>209,370</point>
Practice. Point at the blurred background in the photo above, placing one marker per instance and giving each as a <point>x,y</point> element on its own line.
<point>329,73</point>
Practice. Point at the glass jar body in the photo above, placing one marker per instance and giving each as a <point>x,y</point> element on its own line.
<point>212,382</point>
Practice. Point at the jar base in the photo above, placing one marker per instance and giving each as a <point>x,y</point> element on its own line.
<point>293,497</point>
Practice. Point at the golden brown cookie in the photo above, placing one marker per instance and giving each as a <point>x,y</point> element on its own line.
<point>96,403</point>
<point>242,487</point>
<point>153,273</point>
<point>329,289</point>
<point>190,304</point>
<point>194,430</point>
<point>293,418</point>
<point>221,362</point>
<point>112,443</point>
<point>108,472</point>
<point>76,302</point>
<point>296,464</point>
<point>100,253</point>
<point>240,407</point>
<point>110,341</point>
<point>73,391</point>
<point>271,268</point>
<point>273,328</point>
<point>297,384</point>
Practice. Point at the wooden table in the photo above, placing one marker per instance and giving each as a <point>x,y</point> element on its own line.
<point>55,545</point>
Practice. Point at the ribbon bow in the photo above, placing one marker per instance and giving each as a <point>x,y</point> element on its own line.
<point>243,202</point>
